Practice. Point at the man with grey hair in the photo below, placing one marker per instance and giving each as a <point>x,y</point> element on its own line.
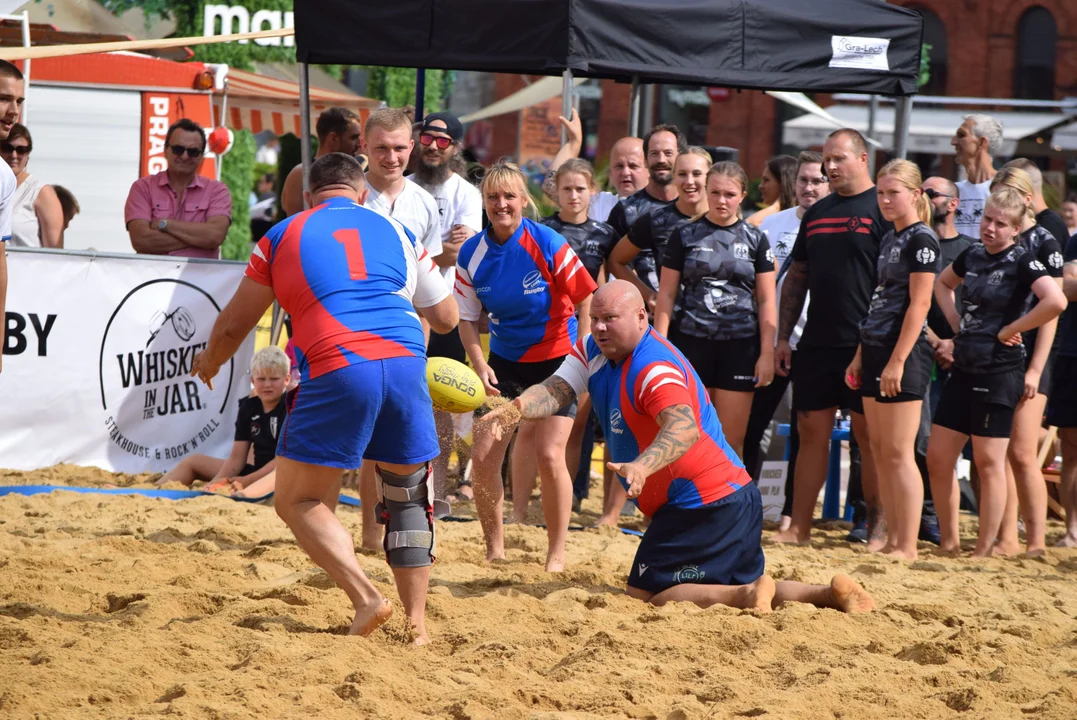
<point>977,141</point>
<point>1051,221</point>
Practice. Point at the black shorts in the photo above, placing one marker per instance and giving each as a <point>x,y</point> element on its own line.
<point>914,381</point>
<point>717,544</point>
<point>819,380</point>
<point>721,364</point>
<point>515,377</point>
<point>980,405</point>
<point>248,469</point>
<point>447,346</point>
<point>1062,402</point>
<point>1046,375</point>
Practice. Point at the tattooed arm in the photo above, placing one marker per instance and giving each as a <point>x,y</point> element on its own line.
<point>679,432</point>
<point>791,304</point>
<point>794,292</point>
<point>543,400</point>
<point>537,402</point>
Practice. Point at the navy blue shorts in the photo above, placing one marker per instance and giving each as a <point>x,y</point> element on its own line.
<point>376,410</point>
<point>717,544</point>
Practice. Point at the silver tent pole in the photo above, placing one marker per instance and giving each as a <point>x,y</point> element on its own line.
<point>902,120</point>
<point>566,100</point>
<point>633,109</point>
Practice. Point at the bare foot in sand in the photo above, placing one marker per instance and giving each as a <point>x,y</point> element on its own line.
<point>554,564</point>
<point>1067,541</point>
<point>369,619</point>
<point>1005,549</point>
<point>494,554</point>
<point>850,596</point>
<point>785,523</point>
<point>608,520</point>
<point>789,537</point>
<point>948,550</point>
<point>901,554</point>
<point>760,594</point>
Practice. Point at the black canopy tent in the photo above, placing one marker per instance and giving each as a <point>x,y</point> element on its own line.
<point>866,46</point>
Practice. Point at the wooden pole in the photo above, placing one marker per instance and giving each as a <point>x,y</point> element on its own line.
<point>47,51</point>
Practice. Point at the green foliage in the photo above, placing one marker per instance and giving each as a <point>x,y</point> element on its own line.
<point>237,166</point>
<point>396,86</point>
<point>925,65</point>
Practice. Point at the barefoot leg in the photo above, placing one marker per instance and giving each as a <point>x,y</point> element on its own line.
<point>300,502</point>
<point>758,595</point>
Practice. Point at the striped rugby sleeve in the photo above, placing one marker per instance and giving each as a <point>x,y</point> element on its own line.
<point>574,368</point>
<point>258,268</point>
<point>466,298</point>
<point>661,385</point>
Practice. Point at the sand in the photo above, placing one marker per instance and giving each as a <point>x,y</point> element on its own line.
<point>131,607</point>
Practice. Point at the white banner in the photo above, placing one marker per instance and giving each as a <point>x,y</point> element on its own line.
<point>97,361</point>
<point>772,488</point>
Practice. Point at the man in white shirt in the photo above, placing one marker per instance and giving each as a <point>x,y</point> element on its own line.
<point>12,95</point>
<point>975,143</point>
<point>388,145</point>
<point>781,230</point>
<point>460,207</point>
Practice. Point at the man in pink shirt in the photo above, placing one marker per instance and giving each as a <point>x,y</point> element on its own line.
<point>179,212</point>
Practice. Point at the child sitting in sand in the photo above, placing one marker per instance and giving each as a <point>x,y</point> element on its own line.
<point>258,423</point>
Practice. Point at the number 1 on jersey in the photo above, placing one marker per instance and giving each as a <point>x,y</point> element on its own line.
<point>353,250</point>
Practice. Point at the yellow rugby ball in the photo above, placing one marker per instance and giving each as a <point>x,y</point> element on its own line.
<point>454,387</point>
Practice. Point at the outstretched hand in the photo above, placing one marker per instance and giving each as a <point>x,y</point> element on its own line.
<point>503,419</point>
<point>635,474</point>
<point>204,370</point>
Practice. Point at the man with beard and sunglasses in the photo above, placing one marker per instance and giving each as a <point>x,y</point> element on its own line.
<point>460,209</point>
<point>177,211</point>
<point>661,146</point>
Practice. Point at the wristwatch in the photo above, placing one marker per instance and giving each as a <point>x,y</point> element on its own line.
<point>163,226</point>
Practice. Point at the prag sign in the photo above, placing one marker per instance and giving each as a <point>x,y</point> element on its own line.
<point>236,19</point>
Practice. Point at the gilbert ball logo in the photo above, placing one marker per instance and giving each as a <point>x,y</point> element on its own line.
<point>154,409</point>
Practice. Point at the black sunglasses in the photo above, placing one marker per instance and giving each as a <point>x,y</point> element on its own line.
<point>933,194</point>
<point>442,141</point>
<point>178,151</point>
<point>15,149</point>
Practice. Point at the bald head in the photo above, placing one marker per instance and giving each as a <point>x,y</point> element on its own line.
<point>618,319</point>
<point>618,293</point>
<point>628,166</point>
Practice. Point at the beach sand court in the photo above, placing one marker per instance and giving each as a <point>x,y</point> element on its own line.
<point>133,607</point>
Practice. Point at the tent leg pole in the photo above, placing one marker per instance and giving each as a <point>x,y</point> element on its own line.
<point>304,122</point>
<point>873,107</point>
<point>633,109</point>
<point>420,94</point>
<point>902,119</point>
<point>648,108</point>
<point>566,100</point>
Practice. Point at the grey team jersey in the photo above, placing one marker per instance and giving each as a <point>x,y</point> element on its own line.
<point>995,294</point>
<point>622,217</point>
<point>1043,246</point>
<point>913,250</point>
<point>718,266</point>
<point>652,229</point>
<point>591,240</point>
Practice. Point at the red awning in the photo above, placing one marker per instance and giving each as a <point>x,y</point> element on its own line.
<point>257,102</point>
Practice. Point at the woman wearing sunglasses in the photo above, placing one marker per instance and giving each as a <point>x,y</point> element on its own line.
<point>37,218</point>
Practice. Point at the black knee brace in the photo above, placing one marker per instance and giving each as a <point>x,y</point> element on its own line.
<point>406,509</point>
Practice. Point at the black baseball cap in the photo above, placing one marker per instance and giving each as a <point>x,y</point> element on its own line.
<point>452,128</point>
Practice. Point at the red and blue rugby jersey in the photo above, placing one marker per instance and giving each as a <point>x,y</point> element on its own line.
<point>627,400</point>
<point>351,279</point>
<point>529,286</point>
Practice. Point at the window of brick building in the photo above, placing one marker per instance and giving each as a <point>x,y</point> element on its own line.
<point>1034,68</point>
